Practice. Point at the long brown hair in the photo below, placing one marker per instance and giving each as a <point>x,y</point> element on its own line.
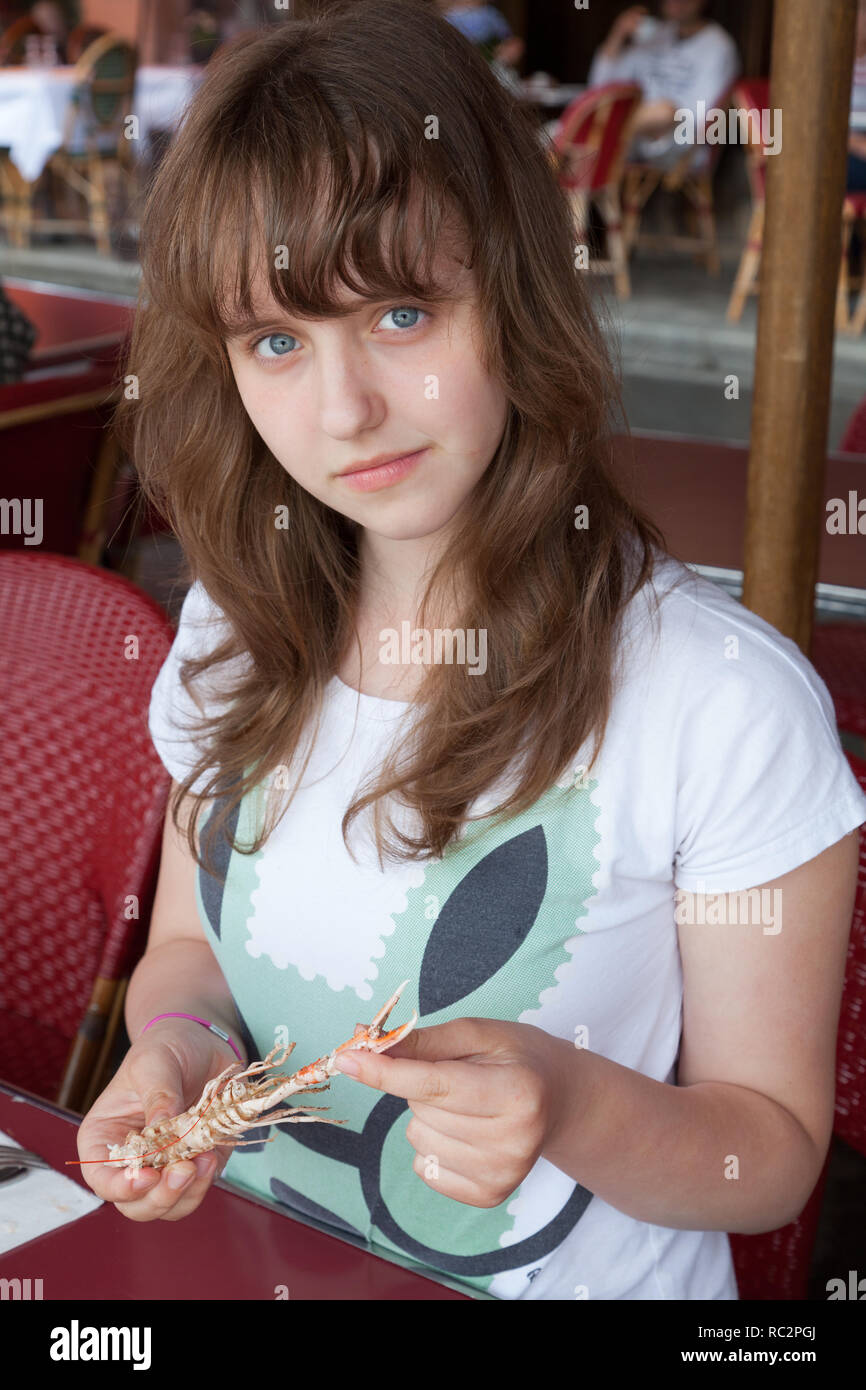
<point>311,136</point>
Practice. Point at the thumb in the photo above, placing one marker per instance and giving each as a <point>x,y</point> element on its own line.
<point>159,1082</point>
<point>453,1041</point>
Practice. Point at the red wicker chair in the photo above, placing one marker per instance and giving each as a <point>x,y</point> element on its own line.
<point>775,1264</point>
<point>753,93</point>
<point>588,149</point>
<point>692,175</point>
<point>83,796</point>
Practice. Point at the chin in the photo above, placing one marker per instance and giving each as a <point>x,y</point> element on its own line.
<point>413,523</point>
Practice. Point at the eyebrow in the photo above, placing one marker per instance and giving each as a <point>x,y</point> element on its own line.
<point>238,327</point>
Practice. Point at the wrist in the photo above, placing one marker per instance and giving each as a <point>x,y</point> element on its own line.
<point>176,1024</point>
<point>572,1091</point>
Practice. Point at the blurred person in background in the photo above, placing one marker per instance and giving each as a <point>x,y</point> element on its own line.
<point>678,60</point>
<point>55,20</point>
<point>486,27</point>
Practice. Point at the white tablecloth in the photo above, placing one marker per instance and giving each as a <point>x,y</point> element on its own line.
<point>34,101</point>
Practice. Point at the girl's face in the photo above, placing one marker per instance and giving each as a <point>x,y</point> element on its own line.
<point>390,379</point>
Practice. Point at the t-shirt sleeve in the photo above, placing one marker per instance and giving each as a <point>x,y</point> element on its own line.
<point>173,713</point>
<point>763,781</point>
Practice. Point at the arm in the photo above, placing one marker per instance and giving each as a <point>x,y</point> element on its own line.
<point>756,1070</point>
<point>613,62</point>
<point>178,972</point>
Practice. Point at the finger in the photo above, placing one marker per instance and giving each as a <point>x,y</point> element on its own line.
<point>440,1151</point>
<point>446,1044</point>
<point>455,1186</point>
<point>164,1201</point>
<point>111,1180</point>
<point>484,1129</point>
<point>457,1040</point>
<point>191,1196</point>
<point>458,1086</point>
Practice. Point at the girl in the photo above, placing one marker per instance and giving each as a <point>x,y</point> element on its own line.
<point>441,707</point>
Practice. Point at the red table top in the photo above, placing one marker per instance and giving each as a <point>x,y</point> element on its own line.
<point>233,1247</point>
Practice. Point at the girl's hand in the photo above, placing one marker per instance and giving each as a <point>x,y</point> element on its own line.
<point>162,1074</point>
<point>486,1099</point>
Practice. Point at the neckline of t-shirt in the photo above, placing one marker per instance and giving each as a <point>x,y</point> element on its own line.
<point>376,708</point>
<point>372,706</point>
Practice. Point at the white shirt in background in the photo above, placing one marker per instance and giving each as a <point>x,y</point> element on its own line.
<point>684,71</point>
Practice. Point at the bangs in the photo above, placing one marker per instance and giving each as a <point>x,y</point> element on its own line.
<point>304,219</point>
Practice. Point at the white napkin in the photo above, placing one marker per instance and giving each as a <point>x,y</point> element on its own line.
<point>38,1202</point>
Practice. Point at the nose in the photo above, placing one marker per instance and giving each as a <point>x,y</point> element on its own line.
<point>348,398</point>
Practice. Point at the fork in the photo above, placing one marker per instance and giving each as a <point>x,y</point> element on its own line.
<point>10,1156</point>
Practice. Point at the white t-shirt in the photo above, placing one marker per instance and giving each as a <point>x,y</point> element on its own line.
<point>684,71</point>
<point>721,770</point>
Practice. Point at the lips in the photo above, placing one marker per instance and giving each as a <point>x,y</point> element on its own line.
<point>377,462</point>
<point>372,478</point>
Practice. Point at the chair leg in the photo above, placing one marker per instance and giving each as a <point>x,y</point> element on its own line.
<point>86,1044</point>
<point>703,202</point>
<point>858,319</point>
<point>638,184</point>
<point>631,210</point>
<point>843,288</point>
<point>99,1077</point>
<point>20,194</point>
<point>25,213</point>
<point>97,203</point>
<point>608,202</point>
<point>92,540</point>
<point>750,261</point>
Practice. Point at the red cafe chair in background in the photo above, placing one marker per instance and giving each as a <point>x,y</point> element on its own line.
<point>588,149</point>
<point>692,176</point>
<point>82,36</point>
<point>775,1264</point>
<point>753,93</point>
<point>83,797</point>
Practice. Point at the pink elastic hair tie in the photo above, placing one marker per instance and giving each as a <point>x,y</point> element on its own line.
<point>205,1024</point>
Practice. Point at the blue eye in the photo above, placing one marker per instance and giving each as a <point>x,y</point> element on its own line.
<point>406,310</point>
<point>278,343</point>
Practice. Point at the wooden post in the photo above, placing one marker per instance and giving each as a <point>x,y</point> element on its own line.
<point>810,82</point>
